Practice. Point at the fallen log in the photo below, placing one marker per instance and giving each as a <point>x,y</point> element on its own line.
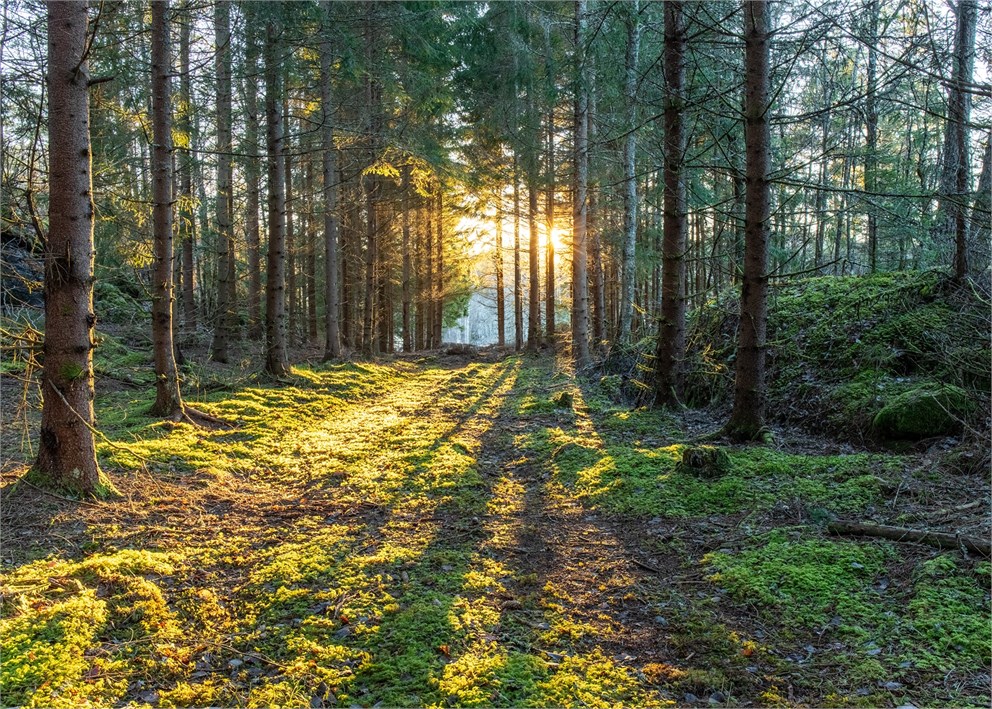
<point>941,540</point>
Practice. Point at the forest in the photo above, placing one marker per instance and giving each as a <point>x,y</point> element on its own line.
<point>407,353</point>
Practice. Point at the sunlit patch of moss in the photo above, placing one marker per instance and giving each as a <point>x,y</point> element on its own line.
<point>208,693</point>
<point>593,680</point>
<point>302,561</point>
<point>43,654</point>
<point>57,612</point>
<point>948,618</point>
<point>472,679</point>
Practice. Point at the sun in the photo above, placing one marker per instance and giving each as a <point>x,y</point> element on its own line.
<point>558,239</point>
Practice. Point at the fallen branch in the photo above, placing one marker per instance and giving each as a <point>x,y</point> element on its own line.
<point>902,534</point>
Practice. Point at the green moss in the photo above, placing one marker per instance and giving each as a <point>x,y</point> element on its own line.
<point>926,411</point>
<point>57,613</point>
<point>884,330</point>
<point>948,618</point>
<point>806,582</point>
<point>651,482</point>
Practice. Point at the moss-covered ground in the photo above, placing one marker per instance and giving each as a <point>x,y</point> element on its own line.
<point>451,532</point>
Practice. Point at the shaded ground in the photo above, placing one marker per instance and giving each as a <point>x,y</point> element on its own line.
<point>454,532</point>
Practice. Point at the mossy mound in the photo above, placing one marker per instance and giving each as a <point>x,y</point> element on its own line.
<point>840,350</point>
<point>923,412</point>
<point>704,462</point>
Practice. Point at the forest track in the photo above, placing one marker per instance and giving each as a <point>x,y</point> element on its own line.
<point>458,532</point>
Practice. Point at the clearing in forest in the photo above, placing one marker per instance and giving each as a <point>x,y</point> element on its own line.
<point>452,532</point>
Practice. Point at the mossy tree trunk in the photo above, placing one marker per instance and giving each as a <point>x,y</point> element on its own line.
<point>748,416</point>
<point>168,401</point>
<point>67,451</point>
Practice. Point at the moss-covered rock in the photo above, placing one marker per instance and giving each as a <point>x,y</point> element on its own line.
<point>926,411</point>
<point>704,461</point>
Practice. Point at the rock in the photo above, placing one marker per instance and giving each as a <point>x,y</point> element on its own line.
<point>929,410</point>
<point>690,698</point>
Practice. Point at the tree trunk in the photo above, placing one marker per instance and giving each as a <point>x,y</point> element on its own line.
<point>187,227</point>
<point>871,124</point>
<point>580,274</point>
<point>500,286</point>
<point>439,271</point>
<point>253,234</point>
<point>959,112</point>
<point>549,289</point>
<point>168,401</point>
<point>627,264</point>
<point>292,305</point>
<point>276,358</point>
<point>224,326</point>
<point>534,247</point>
<point>671,336</point>
<point>420,330</point>
<point>593,231</point>
<point>310,236</point>
<point>518,288</point>
<point>407,286</point>
<point>549,269</point>
<point>748,416</point>
<point>428,290</point>
<point>67,452</point>
<point>332,334</point>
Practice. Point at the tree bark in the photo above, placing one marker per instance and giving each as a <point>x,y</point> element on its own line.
<point>67,451</point>
<point>332,334</point>
<point>500,285</point>
<point>748,416</point>
<point>439,271</point>
<point>580,274</point>
<point>960,112</point>
<point>292,290</point>
<point>310,241</point>
<point>428,290</point>
<point>597,300</point>
<point>671,335</point>
<point>549,270</point>
<point>168,401</point>
<point>253,234</point>
<point>518,288</point>
<point>407,290</point>
<point>534,246</point>
<point>871,125</point>
<point>187,228</point>
<point>276,358</point>
<point>223,328</point>
<point>627,263</point>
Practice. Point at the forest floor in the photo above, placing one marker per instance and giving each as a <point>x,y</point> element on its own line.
<point>458,532</point>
